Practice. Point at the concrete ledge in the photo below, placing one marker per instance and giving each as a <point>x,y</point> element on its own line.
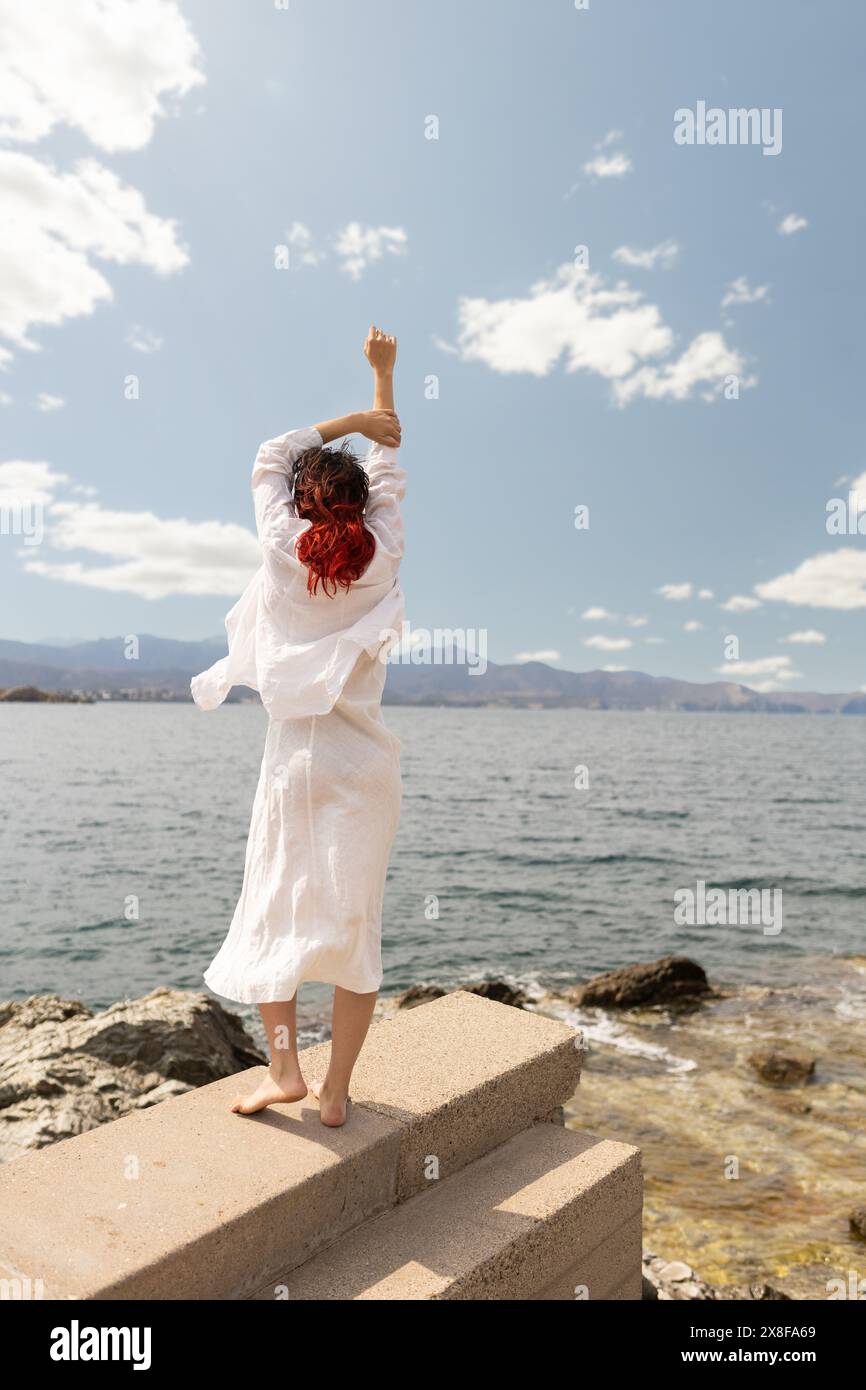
<point>186,1200</point>
<point>550,1210</point>
<point>461,1075</point>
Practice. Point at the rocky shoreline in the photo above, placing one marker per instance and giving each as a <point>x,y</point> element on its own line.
<point>65,1069</point>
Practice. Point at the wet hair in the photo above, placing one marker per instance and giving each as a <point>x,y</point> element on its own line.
<point>330,490</point>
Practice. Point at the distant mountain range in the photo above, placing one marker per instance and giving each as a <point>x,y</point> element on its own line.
<point>165,666</point>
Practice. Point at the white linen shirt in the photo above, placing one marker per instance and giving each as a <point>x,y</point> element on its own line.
<point>295,648</point>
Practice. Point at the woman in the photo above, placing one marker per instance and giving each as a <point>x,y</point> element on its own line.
<point>310,633</point>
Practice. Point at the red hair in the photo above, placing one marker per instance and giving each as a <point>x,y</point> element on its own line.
<point>331,490</point>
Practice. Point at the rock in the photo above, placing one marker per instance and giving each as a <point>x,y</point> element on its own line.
<point>787,1068</point>
<point>64,1069</point>
<point>497,990</point>
<point>670,980</point>
<point>675,1281</point>
<point>857,1221</point>
<point>417,994</point>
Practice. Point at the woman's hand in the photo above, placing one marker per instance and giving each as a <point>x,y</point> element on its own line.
<point>381,426</point>
<point>380,350</point>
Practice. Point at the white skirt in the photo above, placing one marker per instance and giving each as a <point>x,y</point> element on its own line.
<point>324,818</point>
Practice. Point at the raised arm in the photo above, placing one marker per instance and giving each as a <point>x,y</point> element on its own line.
<point>380,350</point>
<point>379,425</point>
<point>387,478</point>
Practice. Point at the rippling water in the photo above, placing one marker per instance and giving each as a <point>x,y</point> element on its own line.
<point>531,878</point>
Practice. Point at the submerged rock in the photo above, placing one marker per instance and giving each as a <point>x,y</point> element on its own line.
<point>857,1221</point>
<point>65,1069</point>
<point>669,980</point>
<point>787,1068</point>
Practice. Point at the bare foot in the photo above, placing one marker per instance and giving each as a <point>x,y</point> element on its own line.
<point>269,1091</point>
<point>332,1104</point>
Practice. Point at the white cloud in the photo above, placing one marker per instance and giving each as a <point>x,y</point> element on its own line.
<point>103,67</point>
<point>692,625</point>
<point>143,340</point>
<point>57,224</point>
<point>858,487</point>
<point>614,668</point>
<point>300,239</point>
<point>46,402</point>
<point>791,223</point>
<point>5,398</point>
<point>608,166</point>
<point>740,603</point>
<point>600,328</point>
<point>808,637</point>
<point>549,654</point>
<point>608,644</point>
<point>834,579</point>
<point>153,557</point>
<point>26,482</point>
<point>739,291</point>
<point>663,255</point>
<point>776,668</point>
<point>705,593</point>
<point>596,615</point>
<point>636,621</point>
<point>677,592</point>
<point>707,362</point>
<point>358,246</point>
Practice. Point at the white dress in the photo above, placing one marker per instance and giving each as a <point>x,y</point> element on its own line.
<point>328,798</point>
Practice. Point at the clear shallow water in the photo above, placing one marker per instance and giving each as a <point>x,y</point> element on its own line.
<point>534,880</point>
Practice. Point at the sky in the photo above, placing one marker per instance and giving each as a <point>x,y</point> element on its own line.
<point>630,369</point>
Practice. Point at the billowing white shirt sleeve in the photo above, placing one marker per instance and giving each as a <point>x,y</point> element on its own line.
<point>277,522</point>
<point>387,489</point>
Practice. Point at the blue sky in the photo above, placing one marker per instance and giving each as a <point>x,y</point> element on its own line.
<point>149,182</point>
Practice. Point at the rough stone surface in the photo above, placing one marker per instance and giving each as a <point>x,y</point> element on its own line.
<point>549,1214</point>
<point>65,1070</point>
<point>503,1069</point>
<point>669,980</point>
<point>788,1068</point>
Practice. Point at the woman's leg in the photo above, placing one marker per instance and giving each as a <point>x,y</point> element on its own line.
<point>284,1081</point>
<point>351,1020</point>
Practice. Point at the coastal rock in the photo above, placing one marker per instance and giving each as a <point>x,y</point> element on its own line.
<point>787,1068</point>
<point>417,994</point>
<point>497,990</point>
<point>675,1281</point>
<point>669,980</point>
<point>65,1069</point>
<point>857,1221</point>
